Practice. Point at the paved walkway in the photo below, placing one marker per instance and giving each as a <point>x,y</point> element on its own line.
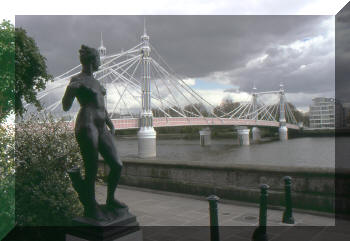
<point>158,211</point>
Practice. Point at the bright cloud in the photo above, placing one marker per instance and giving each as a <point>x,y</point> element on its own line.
<point>190,81</point>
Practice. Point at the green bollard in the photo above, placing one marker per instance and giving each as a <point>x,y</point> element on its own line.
<point>260,232</point>
<point>288,212</point>
<point>214,222</point>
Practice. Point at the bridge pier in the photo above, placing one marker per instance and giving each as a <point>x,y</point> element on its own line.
<point>147,146</point>
<point>205,137</point>
<point>243,136</point>
<point>256,134</point>
<point>283,133</point>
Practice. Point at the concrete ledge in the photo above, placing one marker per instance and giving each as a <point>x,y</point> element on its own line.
<point>234,166</point>
<point>312,188</point>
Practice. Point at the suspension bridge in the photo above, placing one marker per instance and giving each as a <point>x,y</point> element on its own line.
<point>145,92</point>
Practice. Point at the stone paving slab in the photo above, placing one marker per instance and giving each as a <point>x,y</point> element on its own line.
<point>164,206</point>
<point>170,216</point>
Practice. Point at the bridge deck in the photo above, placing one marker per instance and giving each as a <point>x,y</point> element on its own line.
<point>121,124</point>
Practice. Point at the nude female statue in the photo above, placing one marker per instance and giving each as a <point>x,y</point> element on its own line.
<point>92,134</point>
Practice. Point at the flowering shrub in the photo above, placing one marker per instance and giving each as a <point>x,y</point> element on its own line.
<point>45,149</point>
<point>7,184</point>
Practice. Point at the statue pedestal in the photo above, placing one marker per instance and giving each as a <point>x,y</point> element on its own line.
<point>123,227</point>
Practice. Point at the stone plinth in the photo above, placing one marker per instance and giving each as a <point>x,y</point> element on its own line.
<point>123,227</point>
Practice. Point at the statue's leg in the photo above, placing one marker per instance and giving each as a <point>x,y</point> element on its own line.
<point>88,143</point>
<point>109,152</point>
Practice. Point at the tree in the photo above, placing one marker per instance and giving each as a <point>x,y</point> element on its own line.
<point>31,71</point>
<point>7,68</point>
<point>299,116</point>
<point>23,70</point>
<point>7,179</point>
<point>227,105</point>
<point>191,110</point>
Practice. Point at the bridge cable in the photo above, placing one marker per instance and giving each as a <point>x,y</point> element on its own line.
<point>160,68</point>
<point>183,83</point>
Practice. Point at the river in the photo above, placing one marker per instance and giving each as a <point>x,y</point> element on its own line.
<point>297,152</point>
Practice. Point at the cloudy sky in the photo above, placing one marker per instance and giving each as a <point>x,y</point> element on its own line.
<point>220,54</point>
<point>155,7</point>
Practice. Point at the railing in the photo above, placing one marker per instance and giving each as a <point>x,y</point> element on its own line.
<point>196,121</point>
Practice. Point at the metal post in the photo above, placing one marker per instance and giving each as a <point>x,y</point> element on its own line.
<point>288,212</point>
<point>260,232</point>
<point>214,222</point>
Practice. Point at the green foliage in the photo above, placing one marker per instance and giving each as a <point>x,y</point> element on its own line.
<point>299,116</point>
<point>23,70</point>
<point>7,180</point>
<point>7,68</point>
<point>44,151</point>
<point>192,110</point>
<point>31,74</point>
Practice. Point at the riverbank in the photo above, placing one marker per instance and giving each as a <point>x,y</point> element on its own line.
<point>224,132</point>
<point>312,188</point>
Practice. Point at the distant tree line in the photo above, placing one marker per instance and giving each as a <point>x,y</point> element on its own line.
<point>226,106</point>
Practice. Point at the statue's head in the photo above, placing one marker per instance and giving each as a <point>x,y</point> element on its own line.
<point>89,56</point>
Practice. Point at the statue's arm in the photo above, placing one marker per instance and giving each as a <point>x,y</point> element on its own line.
<point>68,98</point>
<point>109,123</point>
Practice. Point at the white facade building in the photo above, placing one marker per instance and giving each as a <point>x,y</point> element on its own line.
<point>322,113</point>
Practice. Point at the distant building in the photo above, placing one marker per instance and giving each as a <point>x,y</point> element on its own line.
<point>322,113</point>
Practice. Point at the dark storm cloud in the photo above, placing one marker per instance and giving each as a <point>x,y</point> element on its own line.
<point>342,54</point>
<point>198,46</point>
<point>60,37</point>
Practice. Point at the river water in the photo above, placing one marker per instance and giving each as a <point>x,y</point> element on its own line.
<point>297,152</point>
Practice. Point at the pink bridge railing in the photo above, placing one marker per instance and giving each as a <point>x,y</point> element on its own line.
<point>121,124</point>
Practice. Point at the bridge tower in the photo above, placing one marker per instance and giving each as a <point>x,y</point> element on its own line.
<point>102,52</point>
<point>255,129</point>
<point>283,130</point>
<point>146,134</point>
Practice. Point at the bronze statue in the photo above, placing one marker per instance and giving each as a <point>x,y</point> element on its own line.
<point>92,136</point>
